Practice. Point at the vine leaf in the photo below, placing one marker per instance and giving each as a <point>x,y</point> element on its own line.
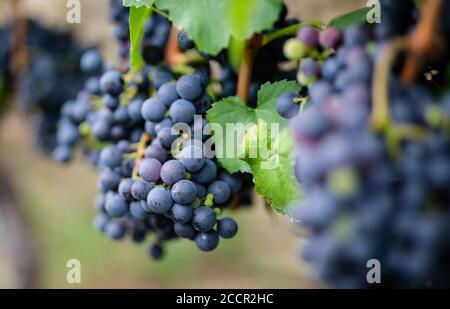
<point>271,162</point>
<point>138,3</point>
<point>138,17</point>
<point>357,17</point>
<point>211,23</point>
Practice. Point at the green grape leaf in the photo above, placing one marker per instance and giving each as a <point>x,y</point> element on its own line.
<point>273,173</point>
<point>138,17</point>
<point>212,23</point>
<point>357,17</point>
<point>138,3</point>
<point>259,143</point>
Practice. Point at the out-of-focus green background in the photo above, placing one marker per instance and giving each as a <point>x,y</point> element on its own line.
<point>57,201</point>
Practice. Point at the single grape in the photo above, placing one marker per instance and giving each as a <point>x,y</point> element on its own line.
<point>115,205</point>
<point>309,67</point>
<point>111,83</point>
<point>181,213</point>
<point>125,188</point>
<point>184,192</point>
<point>189,87</point>
<point>110,156</point>
<point>330,38</point>
<point>153,110</point>
<point>309,36</point>
<point>220,190</point>
<point>62,154</point>
<point>100,222</point>
<point>159,200</point>
<point>184,230</point>
<point>115,230</point>
<point>156,152</point>
<point>294,49</point>
<point>140,189</point>
<point>110,101</point>
<point>135,109</point>
<point>150,128</point>
<point>204,77</point>
<point>167,93</point>
<point>172,171</point>
<point>91,62</point>
<point>234,181</point>
<point>109,180</point>
<point>204,219</point>
<point>227,228</point>
<point>192,158</point>
<point>166,137</point>
<point>156,252</point>
<point>149,169</point>
<point>207,173</point>
<point>184,42</point>
<point>182,111</point>
<point>285,105</point>
<point>200,189</point>
<point>207,241</point>
<point>138,210</point>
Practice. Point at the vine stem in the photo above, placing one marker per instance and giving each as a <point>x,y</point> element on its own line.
<point>246,69</point>
<point>380,91</point>
<point>143,142</point>
<point>172,50</point>
<point>159,12</point>
<point>290,30</point>
<point>424,41</point>
<point>19,59</point>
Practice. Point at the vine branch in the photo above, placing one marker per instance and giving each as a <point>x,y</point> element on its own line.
<point>424,41</point>
<point>143,142</point>
<point>246,69</point>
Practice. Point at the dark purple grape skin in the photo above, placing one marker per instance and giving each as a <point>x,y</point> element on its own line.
<point>149,169</point>
<point>227,228</point>
<point>309,36</point>
<point>172,171</point>
<point>286,107</point>
<point>207,241</point>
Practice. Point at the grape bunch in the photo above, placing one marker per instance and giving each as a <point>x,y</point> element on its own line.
<point>311,47</point>
<point>175,189</point>
<point>156,34</point>
<point>52,76</point>
<point>371,194</point>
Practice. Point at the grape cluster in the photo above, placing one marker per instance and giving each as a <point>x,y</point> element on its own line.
<point>175,189</point>
<point>372,195</point>
<point>52,76</point>
<point>156,34</point>
<point>310,48</point>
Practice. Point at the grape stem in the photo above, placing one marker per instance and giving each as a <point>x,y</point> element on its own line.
<point>380,91</point>
<point>424,42</point>
<point>246,69</point>
<point>290,31</point>
<point>143,142</point>
<point>159,12</point>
